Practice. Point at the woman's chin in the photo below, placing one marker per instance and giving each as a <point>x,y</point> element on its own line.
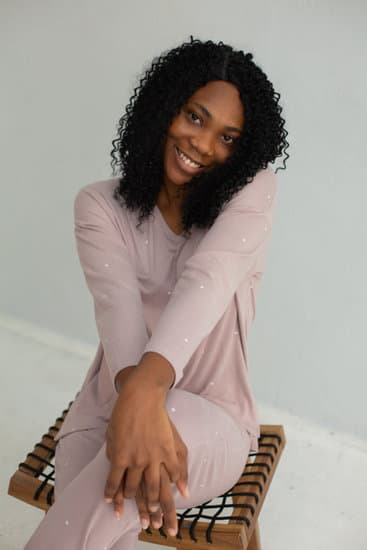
<point>177,178</point>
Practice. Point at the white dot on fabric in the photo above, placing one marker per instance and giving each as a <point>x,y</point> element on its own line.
<point>186,340</point>
<point>235,332</point>
<point>201,286</point>
<point>269,197</point>
<point>66,522</point>
<point>244,239</point>
<point>107,265</point>
<point>169,292</point>
<point>173,409</point>
<point>146,242</point>
<point>265,228</point>
<point>205,459</point>
<point>216,433</point>
<point>202,485</point>
<point>211,383</point>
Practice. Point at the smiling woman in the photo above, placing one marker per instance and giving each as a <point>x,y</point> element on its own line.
<point>242,124</point>
<point>168,393</point>
<point>203,135</point>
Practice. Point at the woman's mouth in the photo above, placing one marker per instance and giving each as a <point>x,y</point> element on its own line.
<point>186,163</point>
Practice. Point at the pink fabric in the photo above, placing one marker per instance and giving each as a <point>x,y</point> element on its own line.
<point>191,300</point>
<point>81,520</point>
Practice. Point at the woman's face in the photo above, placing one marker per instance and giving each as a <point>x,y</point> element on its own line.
<point>204,133</point>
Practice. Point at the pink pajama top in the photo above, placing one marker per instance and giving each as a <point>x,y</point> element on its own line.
<point>191,300</point>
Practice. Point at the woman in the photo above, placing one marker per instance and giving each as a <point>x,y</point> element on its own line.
<point>172,251</point>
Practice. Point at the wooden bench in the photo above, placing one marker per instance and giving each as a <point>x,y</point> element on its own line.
<point>226,523</point>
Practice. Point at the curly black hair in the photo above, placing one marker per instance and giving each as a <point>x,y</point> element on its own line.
<point>173,77</point>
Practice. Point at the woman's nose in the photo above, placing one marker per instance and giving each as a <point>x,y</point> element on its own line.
<point>204,144</point>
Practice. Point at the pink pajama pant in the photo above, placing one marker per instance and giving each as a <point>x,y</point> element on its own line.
<point>80,519</point>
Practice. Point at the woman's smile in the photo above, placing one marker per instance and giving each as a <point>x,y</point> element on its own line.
<point>186,163</point>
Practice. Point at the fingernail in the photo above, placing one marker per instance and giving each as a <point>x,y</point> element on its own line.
<point>171,532</point>
<point>145,523</point>
<point>108,500</point>
<point>117,514</point>
<point>186,492</point>
<point>156,524</point>
<point>153,507</point>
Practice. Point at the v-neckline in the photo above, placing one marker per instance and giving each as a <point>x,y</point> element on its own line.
<point>177,236</point>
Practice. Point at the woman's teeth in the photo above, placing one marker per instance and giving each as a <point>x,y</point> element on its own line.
<point>188,161</point>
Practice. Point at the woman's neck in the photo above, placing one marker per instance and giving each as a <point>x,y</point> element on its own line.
<point>170,199</point>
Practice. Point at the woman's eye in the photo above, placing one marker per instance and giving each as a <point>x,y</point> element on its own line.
<point>228,139</point>
<point>193,116</point>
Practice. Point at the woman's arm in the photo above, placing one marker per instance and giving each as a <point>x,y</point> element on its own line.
<point>111,278</point>
<point>228,253</point>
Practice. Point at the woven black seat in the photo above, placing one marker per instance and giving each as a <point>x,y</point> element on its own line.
<point>227,522</point>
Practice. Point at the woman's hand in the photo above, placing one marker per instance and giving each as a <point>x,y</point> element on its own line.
<point>139,439</point>
<point>167,506</point>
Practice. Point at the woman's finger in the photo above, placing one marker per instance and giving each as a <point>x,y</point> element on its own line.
<point>181,484</point>
<point>152,487</point>
<point>167,503</point>
<point>142,507</point>
<point>118,502</point>
<point>172,467</point>
<point>182,457</point>
<point>113,482</point>
<point>155,518</point>
<point>132,481</point>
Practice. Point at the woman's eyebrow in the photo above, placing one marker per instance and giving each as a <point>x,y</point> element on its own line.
<point>209,115</point>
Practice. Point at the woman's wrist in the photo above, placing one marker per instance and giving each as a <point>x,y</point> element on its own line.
<point>122,376</point>
<point>156,370</point>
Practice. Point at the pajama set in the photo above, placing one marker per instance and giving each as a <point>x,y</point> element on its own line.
<point>191,300</point>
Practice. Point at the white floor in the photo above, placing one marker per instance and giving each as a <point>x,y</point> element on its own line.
<point>318,498</point>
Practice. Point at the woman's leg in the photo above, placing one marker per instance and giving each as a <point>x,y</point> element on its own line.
<point>81,520</point>
<point>217,451</point>
<point>74,452</point>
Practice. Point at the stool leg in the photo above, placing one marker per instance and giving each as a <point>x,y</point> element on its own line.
<point>255,543</point>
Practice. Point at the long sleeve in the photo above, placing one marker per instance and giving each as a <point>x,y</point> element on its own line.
<point>111,279</point>
<point>226,255</point>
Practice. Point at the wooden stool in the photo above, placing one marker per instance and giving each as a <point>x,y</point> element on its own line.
<point>230,524</point>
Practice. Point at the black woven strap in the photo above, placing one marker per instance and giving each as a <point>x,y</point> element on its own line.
<point>251,469</point>
<point>275,436</point>
<point>40,459</point>
<point>45,448</point>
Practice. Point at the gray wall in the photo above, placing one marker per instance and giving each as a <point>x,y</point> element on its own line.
<point>68,69</point>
